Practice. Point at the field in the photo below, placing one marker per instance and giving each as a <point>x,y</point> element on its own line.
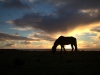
<point>13,62</point>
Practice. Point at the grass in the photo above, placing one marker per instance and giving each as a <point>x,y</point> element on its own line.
<point>44,63</point>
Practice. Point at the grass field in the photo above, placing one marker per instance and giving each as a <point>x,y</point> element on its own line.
<point>44,63</point>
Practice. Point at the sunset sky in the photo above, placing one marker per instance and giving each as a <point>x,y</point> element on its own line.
<point>32,24</point>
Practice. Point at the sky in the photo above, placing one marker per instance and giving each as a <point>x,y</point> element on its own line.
<point>35,24</point>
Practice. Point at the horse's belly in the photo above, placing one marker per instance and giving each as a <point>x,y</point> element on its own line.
<point>66,43</point>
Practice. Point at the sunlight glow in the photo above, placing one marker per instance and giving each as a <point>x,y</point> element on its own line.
<point>67,46</point>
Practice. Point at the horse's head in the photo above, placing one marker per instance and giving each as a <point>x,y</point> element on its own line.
<point>56,43</point>
<point>53,49</point>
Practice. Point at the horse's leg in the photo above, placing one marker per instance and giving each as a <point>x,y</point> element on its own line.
<point>64,49</point>
<point>75,47</point>
<point>72,47</point>
<point>61,49</point>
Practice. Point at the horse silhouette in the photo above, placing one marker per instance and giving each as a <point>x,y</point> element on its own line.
<point>64,41</point>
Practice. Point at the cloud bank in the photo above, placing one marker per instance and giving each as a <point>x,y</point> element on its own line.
<point>5,36</point>
<point>15,4</point>
<point>68,15</point>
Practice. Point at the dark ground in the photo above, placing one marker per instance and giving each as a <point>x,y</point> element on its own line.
<point>14,62</point>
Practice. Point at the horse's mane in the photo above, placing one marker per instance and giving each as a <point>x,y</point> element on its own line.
<point>60,37</point>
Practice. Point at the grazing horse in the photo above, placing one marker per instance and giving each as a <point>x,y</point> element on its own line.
<point>64,41</point>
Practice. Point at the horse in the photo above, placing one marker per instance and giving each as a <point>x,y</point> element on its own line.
<point>64,41</point>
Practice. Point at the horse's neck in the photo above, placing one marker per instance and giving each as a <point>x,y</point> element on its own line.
<point>55,45</point>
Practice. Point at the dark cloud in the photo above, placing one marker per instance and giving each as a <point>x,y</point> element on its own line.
<point>17,34</point>
<point>85,4</point>
<point>2,23</point>
<point>67,16</point>
<point>43,37</point>
<point>26,42</point>
<point>10,45</point>
<point>4,37</point>
<point>15,4</point>
<point>95,29</point>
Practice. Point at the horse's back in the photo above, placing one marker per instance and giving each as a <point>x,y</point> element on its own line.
<point>67,40</point>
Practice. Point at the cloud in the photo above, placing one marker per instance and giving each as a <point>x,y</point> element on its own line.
<point>85,44</point>
<point>42,36</point>
<point>26,42</point>
<point>2,0</point>
<point>95,29</point>
<point>67,17</point>
<point>10,45</point>
<point>5,36</point>
<point>91,12</point>
<point>22,29</point>
<point>31,0</point>
<point>15,4</point>
<point>17,34</point>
